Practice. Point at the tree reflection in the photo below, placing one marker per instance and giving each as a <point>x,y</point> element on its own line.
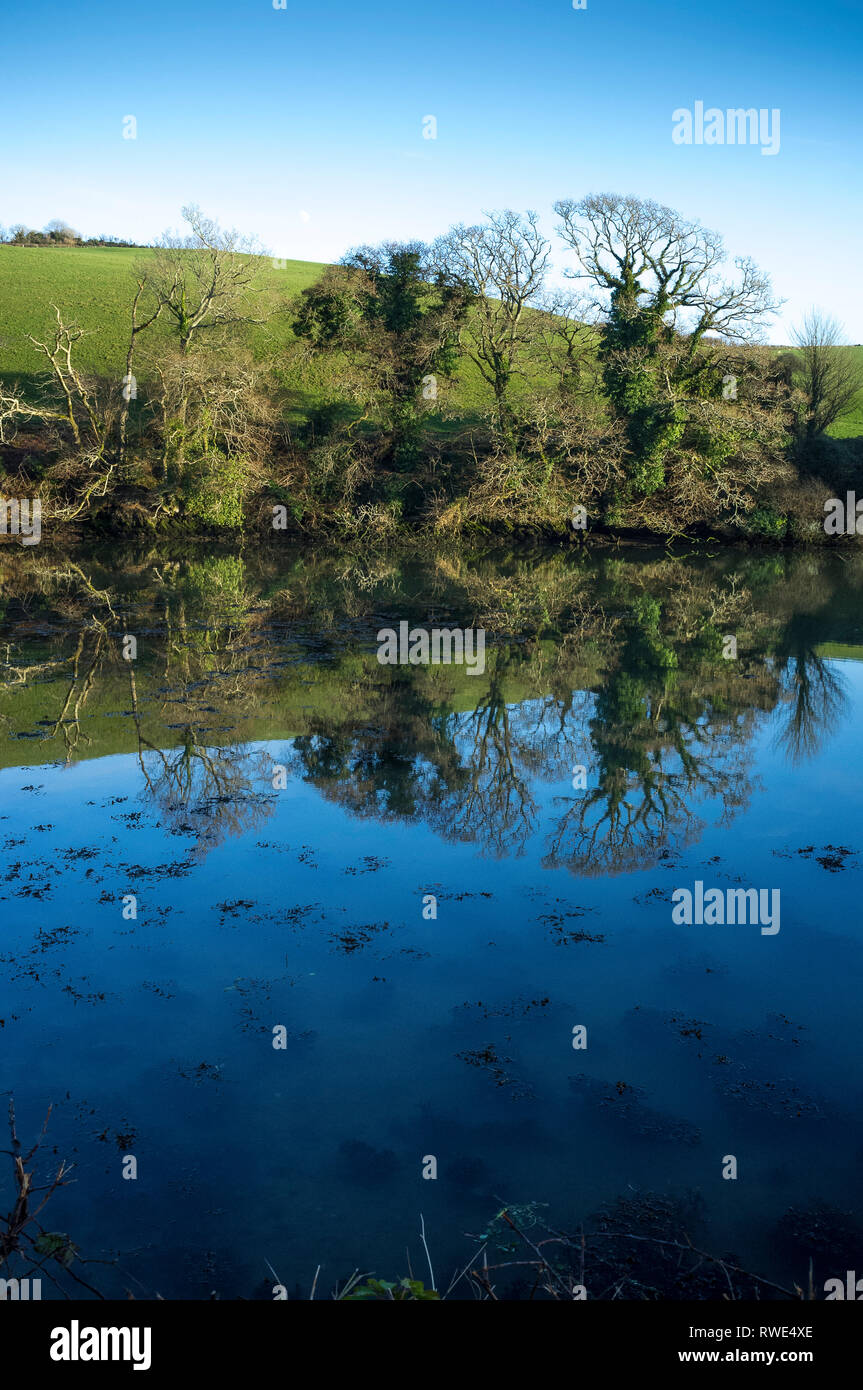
<point>616,666</point>
<point>816,692</point>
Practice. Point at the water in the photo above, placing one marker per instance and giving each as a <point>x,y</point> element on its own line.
<point>306,905</point>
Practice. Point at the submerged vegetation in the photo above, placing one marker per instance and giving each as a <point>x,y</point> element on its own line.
<point>638,1247</point>
<point>446,387</point>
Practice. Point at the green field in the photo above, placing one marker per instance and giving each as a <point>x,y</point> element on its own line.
<point>93,286</point>
<point>851,425</point>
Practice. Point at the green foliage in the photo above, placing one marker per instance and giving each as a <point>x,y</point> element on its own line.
<point>646,649</point>
<point>341,424</point>
<point>210,484</point>
<point>707,643</point>
<point>286,498</point>
<point>629,351</point>
<point>764,521</point>
<point>400,1291</point>
<point>715,446</point>
<point>220,578</point>
<point>215,487</point>
<point>395,327</point>
<point>56,1246</point>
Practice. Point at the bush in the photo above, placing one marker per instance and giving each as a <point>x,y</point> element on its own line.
<point>214,487</point>
<point>764,521</point>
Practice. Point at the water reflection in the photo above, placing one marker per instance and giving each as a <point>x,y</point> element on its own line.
<point>403,781</point>
<point>619,666</point>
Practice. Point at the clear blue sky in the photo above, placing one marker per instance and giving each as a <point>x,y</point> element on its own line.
<point>304,125</point>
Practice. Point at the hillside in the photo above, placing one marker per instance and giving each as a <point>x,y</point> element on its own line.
<point>515,437</point>
<point>94,285</point>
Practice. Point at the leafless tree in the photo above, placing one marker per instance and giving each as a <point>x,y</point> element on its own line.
<point>650,258</point>
<point>22,1235</point>
<point>566,340</point>
<point>138,325</point>
<point>830,374</point>
<point>502,263</point>
<point>204,278</point>
<point>12,408</point>
<point>215,399</point>
<point>83,406</point>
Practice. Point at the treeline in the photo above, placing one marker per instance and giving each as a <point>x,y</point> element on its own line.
<point>449,386</point>
<point>55,233</point>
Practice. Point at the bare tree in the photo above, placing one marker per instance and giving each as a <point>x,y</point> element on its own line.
<point>204,278</point>
<point>829,373</point>
<point>650,258</point>
<point>661,285</point>
<point>22,1235</point>
<point>502,263</point>
<point>12,408</point>
<point>80,395</point>
<point>566,340</point>
<point>144,284</point>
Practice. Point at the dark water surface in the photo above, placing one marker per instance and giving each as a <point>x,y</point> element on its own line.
<point>410,1036</point>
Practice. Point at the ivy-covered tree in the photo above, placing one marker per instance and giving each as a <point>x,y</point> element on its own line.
<point>662,287</point>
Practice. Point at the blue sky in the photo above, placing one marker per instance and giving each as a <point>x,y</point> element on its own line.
<point>305,124</point>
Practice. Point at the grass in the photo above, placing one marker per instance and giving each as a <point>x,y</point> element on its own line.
<point>851,425</point>
<point>94,286</point>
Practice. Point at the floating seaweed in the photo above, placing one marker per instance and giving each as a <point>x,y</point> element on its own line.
<point>624,1103</point>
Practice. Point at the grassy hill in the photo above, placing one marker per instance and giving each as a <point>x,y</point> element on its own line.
<point>94,286</point>
<point>851,425</point>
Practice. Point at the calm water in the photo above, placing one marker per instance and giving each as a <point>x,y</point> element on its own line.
<point>301,904</point>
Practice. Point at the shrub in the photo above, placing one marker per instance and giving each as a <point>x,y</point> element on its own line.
<point>214,486</point>
<point>764,521</point>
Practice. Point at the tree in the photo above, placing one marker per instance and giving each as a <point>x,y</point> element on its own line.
<point>501,264</point>
<point>204,279</point>
<point>216,424</point>
<point>829,373</point>
<point>59,231</point>
<point>660,278</point>
<point>138,325</point>
<point>83,406</point>
<point>566,339</point>
<point>398,324</point>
